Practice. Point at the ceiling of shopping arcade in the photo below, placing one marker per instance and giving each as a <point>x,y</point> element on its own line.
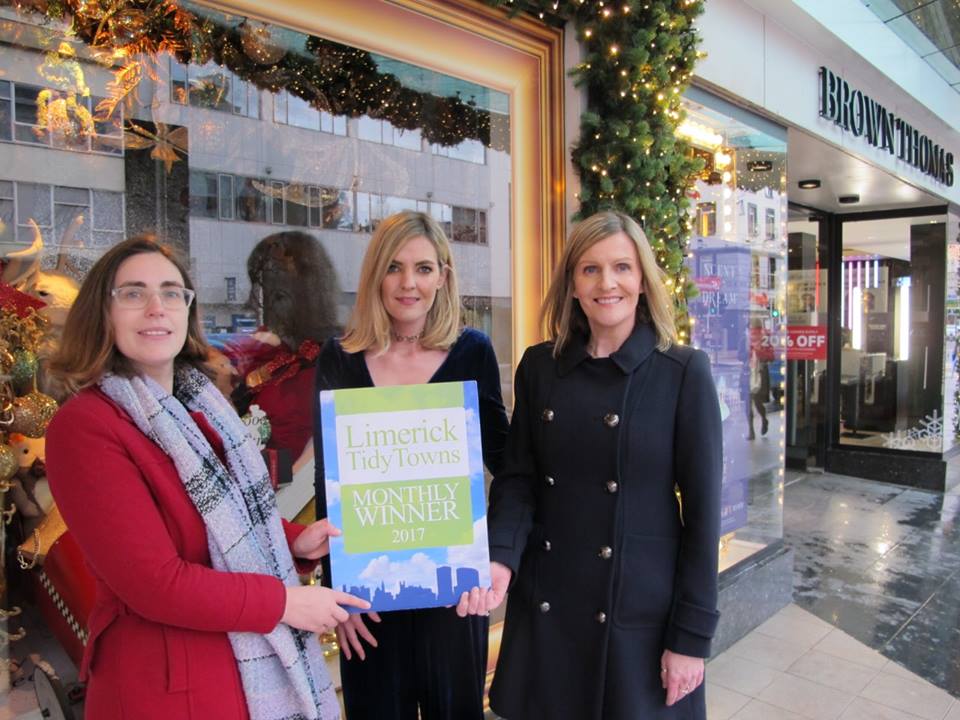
<point>930,27</point>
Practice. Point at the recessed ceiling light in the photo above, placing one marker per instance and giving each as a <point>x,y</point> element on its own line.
<point>811,184</point>
<point>848,199</point>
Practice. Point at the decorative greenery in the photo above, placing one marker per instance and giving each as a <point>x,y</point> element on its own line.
<point>638,60</point>
<point>333,77</point>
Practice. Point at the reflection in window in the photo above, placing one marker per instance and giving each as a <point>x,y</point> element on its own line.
<point>468,151</point>
<point>214,88</point>
<point>226,196</point>
<point>291,110</point>
<point>6,212</point>
<point>204,194</point>
<point>707,219</point>
<point>240,180</point>
<point>469,226</point>
<point>738,314</point>
<point>6,113</point>
<point>381,131</point>
<point>19,121</point>
<point>251,202</point>
<point>94,218</point>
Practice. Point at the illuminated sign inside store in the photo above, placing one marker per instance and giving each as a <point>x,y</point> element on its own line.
<point>857,113</point>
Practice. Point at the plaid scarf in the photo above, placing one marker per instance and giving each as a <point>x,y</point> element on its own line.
<point>283,672</point>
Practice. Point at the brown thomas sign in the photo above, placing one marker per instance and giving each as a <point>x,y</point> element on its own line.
<point>858,113</point>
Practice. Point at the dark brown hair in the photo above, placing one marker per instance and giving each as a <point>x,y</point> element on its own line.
<point>87,350</point>
<point>294,284</point>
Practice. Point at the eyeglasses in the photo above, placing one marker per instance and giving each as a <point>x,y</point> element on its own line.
<point>134,297</point>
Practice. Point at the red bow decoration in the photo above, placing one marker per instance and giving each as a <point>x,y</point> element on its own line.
<point>17,301</point>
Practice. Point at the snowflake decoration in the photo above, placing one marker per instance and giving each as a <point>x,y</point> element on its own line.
<point>927,436</point>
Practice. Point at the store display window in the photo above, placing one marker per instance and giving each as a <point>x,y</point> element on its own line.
<point>737,260</point>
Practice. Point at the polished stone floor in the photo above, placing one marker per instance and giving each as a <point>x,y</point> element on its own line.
<point>796,666</point>
<point>881,563</point>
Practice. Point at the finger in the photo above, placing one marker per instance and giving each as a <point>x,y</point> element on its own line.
<point>493,600</point>
<point>373,616</point>
<point>365,633</point>
<point>343,598</point>
<point>343,642</point>
<point>474,603</point>
<point>355,641</point>
<point>663,677</point>
<point>463,605</point>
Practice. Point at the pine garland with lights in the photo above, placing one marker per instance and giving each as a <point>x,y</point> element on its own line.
<point>330,76</point>
<point>639,58</point>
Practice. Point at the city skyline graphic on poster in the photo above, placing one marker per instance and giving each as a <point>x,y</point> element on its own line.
<point>404,482</point>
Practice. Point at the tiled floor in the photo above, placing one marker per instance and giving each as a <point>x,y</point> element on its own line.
<point>797,667</point>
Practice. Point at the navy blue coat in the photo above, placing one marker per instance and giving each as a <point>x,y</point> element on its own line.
<point>606,573</point>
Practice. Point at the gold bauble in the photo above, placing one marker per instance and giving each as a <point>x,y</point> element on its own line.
<point>8,463</point>
<point>32,413</point>
<point>259,43</point>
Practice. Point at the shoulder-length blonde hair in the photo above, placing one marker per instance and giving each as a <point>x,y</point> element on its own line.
<point>87,349</point>
<point>561,314</point>
<point>369,324</point>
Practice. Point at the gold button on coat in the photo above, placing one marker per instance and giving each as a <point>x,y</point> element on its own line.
<point>547,415</point>
<point>606,552</point>
<point>611,420</point>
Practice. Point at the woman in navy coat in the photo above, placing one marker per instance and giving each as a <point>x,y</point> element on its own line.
<point>605,518</point>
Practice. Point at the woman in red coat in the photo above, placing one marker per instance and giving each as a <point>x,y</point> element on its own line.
<point>199,611</point>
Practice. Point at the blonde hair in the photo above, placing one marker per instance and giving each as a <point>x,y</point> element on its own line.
<point>369,324</point>
<point>561,314</point>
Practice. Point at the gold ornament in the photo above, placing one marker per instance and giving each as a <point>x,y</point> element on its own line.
<point>259,44</point>
<point>32,413</point>
<point>127,27</point>
<point>8,463</point>
<point>6,361</point>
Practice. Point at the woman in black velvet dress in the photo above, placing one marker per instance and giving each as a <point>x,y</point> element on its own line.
<point>405,329</point>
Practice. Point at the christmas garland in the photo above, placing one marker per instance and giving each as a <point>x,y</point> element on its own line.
<point>639,58</point>
<point>330,76</point>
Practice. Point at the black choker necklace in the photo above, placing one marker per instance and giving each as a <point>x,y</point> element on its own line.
<point>406,338</point>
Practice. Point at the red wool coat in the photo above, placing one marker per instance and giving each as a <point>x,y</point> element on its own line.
<point>158,646</point>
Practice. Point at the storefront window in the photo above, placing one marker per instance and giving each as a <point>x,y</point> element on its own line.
<point>951,339</point>
<point>233,151</point>
<point>737,260</point>
<point>892,333</point>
